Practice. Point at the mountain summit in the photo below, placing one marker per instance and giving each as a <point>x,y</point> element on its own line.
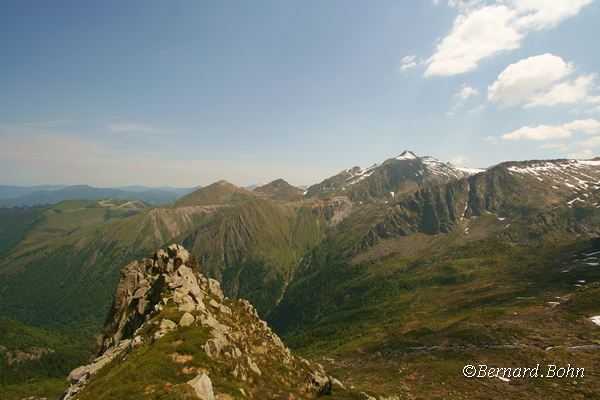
<point>406,155</point>
<point>393,179</point>
<point>279,189</point>
<point>171,332</point>
<point>218,193</point>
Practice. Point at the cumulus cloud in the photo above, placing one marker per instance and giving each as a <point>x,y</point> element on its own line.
<point>564,93</point>
<point>525,78</point>
<point>474,36</point>
<point>543,14</point>
<point>541,80</point>
<point>482,30</point>
<point>540,132</point>
<point>589,126</point>
<point>545,132</point>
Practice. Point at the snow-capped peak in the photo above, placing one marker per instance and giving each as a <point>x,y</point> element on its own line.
<point>406,155</point>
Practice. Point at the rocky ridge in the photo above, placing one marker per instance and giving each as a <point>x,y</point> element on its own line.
<point>393,179</point>
<point>161,301</point>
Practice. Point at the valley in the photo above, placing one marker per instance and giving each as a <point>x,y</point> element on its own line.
<point>392,277</point>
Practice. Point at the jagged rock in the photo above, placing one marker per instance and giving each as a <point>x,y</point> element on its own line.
<point>187,319</point>
<point>153,292</point>
<point>141,307</point>
<point>214,346</point>
<point>336,383</point>
<point>203,387</point>
<point>214,287</point>
<point>140,292</point>
<point>224,309</point>
<point>187,307</point>
<point>253,367</point>
<point>78,373</point>
<point>167,324</point>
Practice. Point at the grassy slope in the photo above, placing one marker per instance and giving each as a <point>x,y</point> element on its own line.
<point>221,192</point>
<point>255,247</point>
<point>75,270</point>
<point>373,316</point>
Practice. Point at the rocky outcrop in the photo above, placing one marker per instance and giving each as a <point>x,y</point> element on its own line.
<point>432,210</point>
<point>395,178</point>
<point>558,194</point>
<point>333,210</point>
<point>163,294</point>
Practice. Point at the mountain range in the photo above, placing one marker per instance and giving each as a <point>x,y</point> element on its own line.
<point>11,196</point>
<point>393,276</point>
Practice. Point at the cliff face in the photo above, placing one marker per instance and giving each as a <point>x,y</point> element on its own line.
<point>171,332</point>
<point>560,195</point>
<point>395,178</point>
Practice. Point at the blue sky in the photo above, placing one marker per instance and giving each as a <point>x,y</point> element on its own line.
<point>183,93</point>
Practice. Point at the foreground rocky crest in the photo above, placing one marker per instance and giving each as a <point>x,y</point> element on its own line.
<point>171,332</point>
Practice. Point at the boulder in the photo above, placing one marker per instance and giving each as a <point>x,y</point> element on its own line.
<point>214,287</point>
<point>202,385</point>
<point>187,319</point>
<point>78,373</point>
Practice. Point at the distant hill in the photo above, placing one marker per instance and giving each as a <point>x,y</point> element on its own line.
<point>279,190</point>
<point>11,192</point>
<point>221,192</point>
<point>85,192</point>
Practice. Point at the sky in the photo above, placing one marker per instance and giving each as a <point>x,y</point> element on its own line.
<point>184,93</point>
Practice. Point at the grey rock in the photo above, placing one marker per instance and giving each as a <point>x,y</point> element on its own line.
<point>202,385</point>
<point>187,319</point>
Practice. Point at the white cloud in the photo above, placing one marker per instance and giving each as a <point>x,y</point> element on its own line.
<point>594,141</point>
<point>461,97</point>
<point>540,81</point>
<point>465,92</point>
<point>586,153</point>
<point>545,132</point>
<point>408,62</point>
<point>589,126</point>
<point>130,127</point>
<point>460,160</point>
<point>527,77</point>
<point>540,132</point>
<point>483,30</point>
<point>474,36</point>
<point>543,14</point>
<point>566,92</point>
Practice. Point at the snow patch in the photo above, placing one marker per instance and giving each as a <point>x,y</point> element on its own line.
<point>471,171</point>
<point>406,155</point>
